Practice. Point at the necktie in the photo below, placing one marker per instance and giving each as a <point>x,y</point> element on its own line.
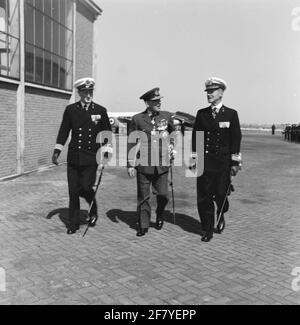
<point>85,107</point>
<point>214,112</point>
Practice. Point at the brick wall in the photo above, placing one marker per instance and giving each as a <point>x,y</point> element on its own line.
<point>8,127</point>
<point>84,42</point>
<point>43,115</point>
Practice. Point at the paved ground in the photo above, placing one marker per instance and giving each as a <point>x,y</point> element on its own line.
<point>255,261</point>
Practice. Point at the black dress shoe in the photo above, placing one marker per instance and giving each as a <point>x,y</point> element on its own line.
<point>159,224</point>
<point>92,220</point>
<point>141,232</point>
<point>71,231</point>
<point>207,237</point>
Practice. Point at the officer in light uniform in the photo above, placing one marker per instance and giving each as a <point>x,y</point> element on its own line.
<point>222,158</point>
<point>154,149</point>
<point>85,119</point>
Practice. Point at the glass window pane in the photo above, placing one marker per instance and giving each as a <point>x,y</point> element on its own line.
<point>14,58</point>
<point>62,12</point>
<point>47,69</point>
<point>9,38</point>
<point>29,63</point>
<point>62,41</point>
<point>65,74</point>
<point>55,70</point>
<point>62,74</point>
<point>38,29</point>
<point>69,45</point>
<point>55,38</point>
<point>47,7</point>
<point>55,9</point>
<point>30,2</point>
<point>48,33</point>
<point>38,65</point>
<point>69,74</point>
<point>39,4</point>
<point>3,19</point>
<point>29,14</point>
<point>14,18</point>
<point>4,68</point>
<point>3,42</point>
<point>69,14</point>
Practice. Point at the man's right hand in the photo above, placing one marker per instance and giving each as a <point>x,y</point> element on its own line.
<point>131,171</point>
<point>193,161</point>
<point>193,166</point>
<point>55,158</point>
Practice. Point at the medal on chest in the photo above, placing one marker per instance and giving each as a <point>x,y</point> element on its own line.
<point>96,118</point>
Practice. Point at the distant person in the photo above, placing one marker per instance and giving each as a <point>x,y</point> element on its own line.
<point>273,129</point>
<point>222,158</point>
<point>85,119</point>
<point>151,159</point>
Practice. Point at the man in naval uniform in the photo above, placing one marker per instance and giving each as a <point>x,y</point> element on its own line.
<point>85,119</point>
<point>222,158</point>
<point>150,148</point>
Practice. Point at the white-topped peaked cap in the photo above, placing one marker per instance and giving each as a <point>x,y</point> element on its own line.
<point>215,83</point>
<point>85,83</point>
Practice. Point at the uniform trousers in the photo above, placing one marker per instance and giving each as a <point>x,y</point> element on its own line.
<point>81,180</point>
<point>160,188</point>
<point>212,187</point>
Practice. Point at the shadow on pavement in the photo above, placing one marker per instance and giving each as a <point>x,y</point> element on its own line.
<point>183,221</point>
<point>63,214</point>
<point>128,217</point>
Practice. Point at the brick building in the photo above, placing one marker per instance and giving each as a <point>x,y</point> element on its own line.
<point>44,46</point>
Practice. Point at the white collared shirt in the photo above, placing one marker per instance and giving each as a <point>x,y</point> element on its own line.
<point>83,104</point>
<point>218,107</point>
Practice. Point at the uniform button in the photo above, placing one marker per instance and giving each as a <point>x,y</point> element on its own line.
<point>90,142</point>
<point>90,136</point>
<point>208,132</point>
<point>79,141</point>
<point>80,129</point>
<point>79,147</point>
<point>208,139</point>
<point>90,129</point>
<point>90,148</point>
<point>80,135</point>
<point>206,151</point>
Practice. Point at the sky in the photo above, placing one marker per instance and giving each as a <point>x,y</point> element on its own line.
<point>254,45</point>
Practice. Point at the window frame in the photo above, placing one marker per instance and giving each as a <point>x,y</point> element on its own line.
<point>60,78</point>
<point>10,38</point>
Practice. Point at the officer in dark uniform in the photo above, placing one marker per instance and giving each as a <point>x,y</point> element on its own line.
<point>222,158</point>
<point>273,129</point>
<point>298,133</point>
<point>150,148</point>
<point>85,119</point>
<point>288,130</point>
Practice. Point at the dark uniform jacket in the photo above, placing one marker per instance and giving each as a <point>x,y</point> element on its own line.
<point>222,138</point>
<point>152,149</point>
<point>85,126</point>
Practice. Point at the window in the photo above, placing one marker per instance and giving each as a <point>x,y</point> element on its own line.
<point>49,42</point>
<point>9,39</point>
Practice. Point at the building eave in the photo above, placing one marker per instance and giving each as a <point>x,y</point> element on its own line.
<point>92,7</point>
